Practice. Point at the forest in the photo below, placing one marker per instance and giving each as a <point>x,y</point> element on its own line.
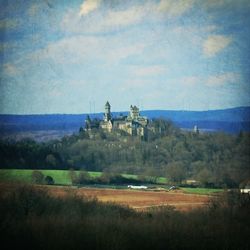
<point>212,159</point>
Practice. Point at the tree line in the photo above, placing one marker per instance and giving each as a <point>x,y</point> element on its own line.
<point>213,159</point>
<point>32,217</point>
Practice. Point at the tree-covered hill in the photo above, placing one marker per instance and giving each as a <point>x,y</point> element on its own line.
<point>215,159</point>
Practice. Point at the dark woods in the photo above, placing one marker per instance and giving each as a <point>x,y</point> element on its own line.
<point>31,218</point>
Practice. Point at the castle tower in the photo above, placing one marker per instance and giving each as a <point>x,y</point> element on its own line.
<point>134,112</point>
<point>107,114</point>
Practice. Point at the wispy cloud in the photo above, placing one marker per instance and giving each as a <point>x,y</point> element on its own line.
<point>153,70</point>
<point>8,23</point>
<point>214,44</point>
<point>217,80</point>
<point>149,11</point>
<point>66,51</point>
<point>190,80</point>
<point>10,69</point>
<point>108,49</point>
<point>89,6</point>
<point>124,17</point>
<point>222,79</point>
<point>106,19</point>
<point>174,7</point>
<point>82,49</point>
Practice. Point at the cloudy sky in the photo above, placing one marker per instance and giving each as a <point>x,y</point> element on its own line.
<point>59,56</point>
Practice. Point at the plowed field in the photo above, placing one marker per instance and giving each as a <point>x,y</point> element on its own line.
<point>140,199</point>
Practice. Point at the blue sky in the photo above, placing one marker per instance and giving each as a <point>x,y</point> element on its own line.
<point>72,56</point>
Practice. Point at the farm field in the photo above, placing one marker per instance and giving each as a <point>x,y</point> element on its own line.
<point>61,177</point>
<point>201,191</point>
<point>139,199</point>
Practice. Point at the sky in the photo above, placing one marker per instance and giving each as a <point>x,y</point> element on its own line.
<point>59,56</point>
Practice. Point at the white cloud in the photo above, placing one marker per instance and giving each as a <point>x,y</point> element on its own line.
<point>190,80</point>
<point>71,22</point>
<point>222,79</point>
<point>214,44</point>
<point>174,7</point>
<point>89,6</point>
<point>82,49</point>
<point>124,17</point>
<point>185,30</point>
<point>10,69</point>
<point>217,80</point>
<point>67,50</point>
<point>170,7</point>
<point>104,21</point>
<point>112,18</point>
<point>118,53</point>
<point>153,70</point>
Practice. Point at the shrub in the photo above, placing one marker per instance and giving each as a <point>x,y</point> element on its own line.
<point>49,180</point>
<point>109,178</point>
<point>83,177</point>
<point>37,177</point>
<point>73,176</point>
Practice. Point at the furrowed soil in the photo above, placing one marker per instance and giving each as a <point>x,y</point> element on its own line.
<point>141,199</point>
<point>137,199</point>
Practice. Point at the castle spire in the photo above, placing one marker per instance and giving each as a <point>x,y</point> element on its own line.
<point>107,114</point>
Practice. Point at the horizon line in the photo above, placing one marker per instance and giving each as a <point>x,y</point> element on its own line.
<point>146,110</point>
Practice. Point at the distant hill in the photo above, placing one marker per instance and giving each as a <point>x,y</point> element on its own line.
<point>241,114</point>
<point>228,120</point>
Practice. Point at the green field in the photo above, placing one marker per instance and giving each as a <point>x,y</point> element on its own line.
<point>61,177</point>
<point>205,191</point>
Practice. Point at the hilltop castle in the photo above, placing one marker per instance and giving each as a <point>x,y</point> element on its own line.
<point>133,124</point>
